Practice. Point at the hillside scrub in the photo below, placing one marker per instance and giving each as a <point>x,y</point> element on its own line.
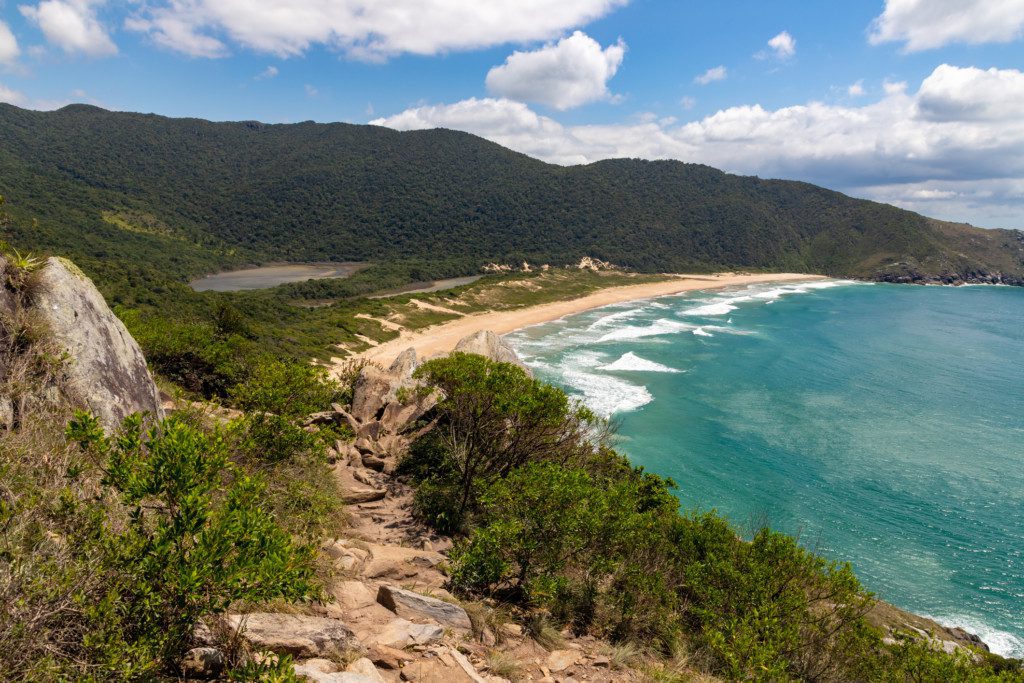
<point>114,547</point>
<point>112,552</point>
<point>573,533</point>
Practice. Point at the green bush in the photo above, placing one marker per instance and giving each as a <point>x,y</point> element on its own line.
<point>286,388</point>
<point>195,538</point>
<point>192,355</point>
<point>496,418</point>
<point>580,547</point>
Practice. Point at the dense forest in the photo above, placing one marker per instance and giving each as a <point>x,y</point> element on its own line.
<point>143,196</point>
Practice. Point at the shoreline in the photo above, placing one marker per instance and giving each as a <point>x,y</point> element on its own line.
<point>442,338</point>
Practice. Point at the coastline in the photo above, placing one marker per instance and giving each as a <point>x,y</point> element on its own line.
<point>442,338</point>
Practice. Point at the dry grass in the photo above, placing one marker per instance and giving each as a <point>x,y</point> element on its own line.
<point>504,665</point>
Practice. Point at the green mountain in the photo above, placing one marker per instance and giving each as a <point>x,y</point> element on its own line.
<point>135,195</point>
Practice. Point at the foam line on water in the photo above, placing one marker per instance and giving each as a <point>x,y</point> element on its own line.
<point>655,329</point>
<point>630,362</point>
<point>727,303</point>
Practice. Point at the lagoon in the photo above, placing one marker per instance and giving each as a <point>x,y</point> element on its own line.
<point>264,277</point>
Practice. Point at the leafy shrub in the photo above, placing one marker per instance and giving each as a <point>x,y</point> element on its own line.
<point>195,539</point>
<point>496,418</point>
<point>561,540</point>
<point>192,355</point>
<point>286,388</point>
<point>770,607</point>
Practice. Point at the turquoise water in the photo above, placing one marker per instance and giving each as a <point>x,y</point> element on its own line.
<point>884,424</point>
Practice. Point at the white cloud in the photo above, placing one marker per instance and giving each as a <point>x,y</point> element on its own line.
<point>566,74</point>
<point>9,49</point>
<point>687,103</point>
<point>888,149</point>
<point>311,91</point>
<point>12,96</point>
<point>717,73</point>
<point>928,24</point>
<point>72,25</point>
<point>970,94</point>
<point>784,45</point>
<point>856,89</point>
<point>367,29</point>
<point>894,87</point>
<point>269,72</point>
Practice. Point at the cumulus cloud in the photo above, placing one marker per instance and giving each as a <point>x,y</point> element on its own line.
<point>717,73</point>
<point>970,94</point>
<point>783,45</point>
<point>367,29</point>
<point>14,97</point>
<point>566,74</point>
<point>890,149</point>
<point>9,49</point>
<point>269,72</point>
<point>928,24</point>
<point>856,89</point>
<point>72,25</point>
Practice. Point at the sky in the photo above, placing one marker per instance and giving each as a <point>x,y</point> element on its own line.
<point>919,103</point>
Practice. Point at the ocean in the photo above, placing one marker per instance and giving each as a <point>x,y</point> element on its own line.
<point>883,424</point>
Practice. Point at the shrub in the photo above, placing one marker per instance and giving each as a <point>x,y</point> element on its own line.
<point>560,540</point>
<point>495,417</point>
<point>195,539</point>
<point>770,605</point>
<point>285,388</point>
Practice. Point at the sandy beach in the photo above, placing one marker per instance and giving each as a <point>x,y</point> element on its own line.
<point>443,338</point>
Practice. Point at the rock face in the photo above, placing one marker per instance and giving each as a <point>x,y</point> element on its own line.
<point>107,368</point>
<point>294,634</point>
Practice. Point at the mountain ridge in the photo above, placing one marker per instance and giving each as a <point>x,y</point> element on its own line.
<point>229,193</point>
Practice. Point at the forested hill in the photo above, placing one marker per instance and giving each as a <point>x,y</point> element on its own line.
<point>183,196</point>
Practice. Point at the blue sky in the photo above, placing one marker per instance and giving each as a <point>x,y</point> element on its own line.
<point>915,102</point>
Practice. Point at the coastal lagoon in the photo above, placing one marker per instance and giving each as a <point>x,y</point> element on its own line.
<point>883,424</point>
<point>265,277</point>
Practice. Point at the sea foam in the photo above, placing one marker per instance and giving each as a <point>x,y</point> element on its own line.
<point>630,362</point>
<point>1000,642</point>
<point>657,328</point>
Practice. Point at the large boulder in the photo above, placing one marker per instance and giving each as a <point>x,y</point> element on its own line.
<point>107,369</point>
<point>486,343</point>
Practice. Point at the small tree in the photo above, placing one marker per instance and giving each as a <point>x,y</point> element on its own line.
<point>495,417</point>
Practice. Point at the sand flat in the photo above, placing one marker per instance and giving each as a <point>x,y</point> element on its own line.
<point>443,337</point>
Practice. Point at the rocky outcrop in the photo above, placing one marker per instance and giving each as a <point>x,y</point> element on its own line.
<point>105,368</point>
<point>490,345</point>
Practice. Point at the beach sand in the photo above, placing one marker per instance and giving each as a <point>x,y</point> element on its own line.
<point>442,338</point>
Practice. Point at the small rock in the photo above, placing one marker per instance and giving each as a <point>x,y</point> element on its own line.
<point>365,667</point>
<point>560,660</point>
<point>412,605</point>
<point>374,463</point>
<point>602,662</point>
<point>512,630</point>
<point>402,633</point>
<point>353,595</point>
<point>354,495</point>
<point>388,657</point>
<point>202,662</point>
